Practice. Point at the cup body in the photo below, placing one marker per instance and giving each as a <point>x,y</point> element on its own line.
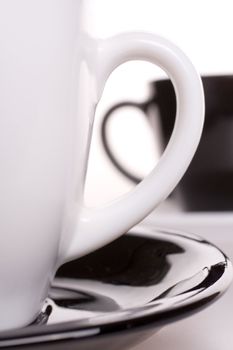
<point>44,130</point>
<point>53,69</point>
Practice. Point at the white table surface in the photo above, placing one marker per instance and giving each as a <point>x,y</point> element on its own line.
<point>212,328</point>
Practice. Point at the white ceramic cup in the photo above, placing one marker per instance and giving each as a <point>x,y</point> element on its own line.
<point>52,74</point>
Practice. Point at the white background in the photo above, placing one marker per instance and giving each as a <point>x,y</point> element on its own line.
<point>204,30</point>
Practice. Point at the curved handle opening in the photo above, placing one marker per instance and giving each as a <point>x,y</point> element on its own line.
<point>106,142</point>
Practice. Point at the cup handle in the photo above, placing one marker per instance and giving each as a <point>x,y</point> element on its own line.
<point>99,226</point>
<point>105,141</point>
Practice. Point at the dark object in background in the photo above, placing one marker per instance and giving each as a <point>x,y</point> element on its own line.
<point>208,182</point>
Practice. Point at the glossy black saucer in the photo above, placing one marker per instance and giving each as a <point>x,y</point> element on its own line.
<point>121,294</point>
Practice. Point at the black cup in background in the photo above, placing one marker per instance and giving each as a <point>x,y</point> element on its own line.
<point>208,183</point>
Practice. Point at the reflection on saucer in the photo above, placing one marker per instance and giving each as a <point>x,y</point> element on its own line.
<point>146,278</point>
